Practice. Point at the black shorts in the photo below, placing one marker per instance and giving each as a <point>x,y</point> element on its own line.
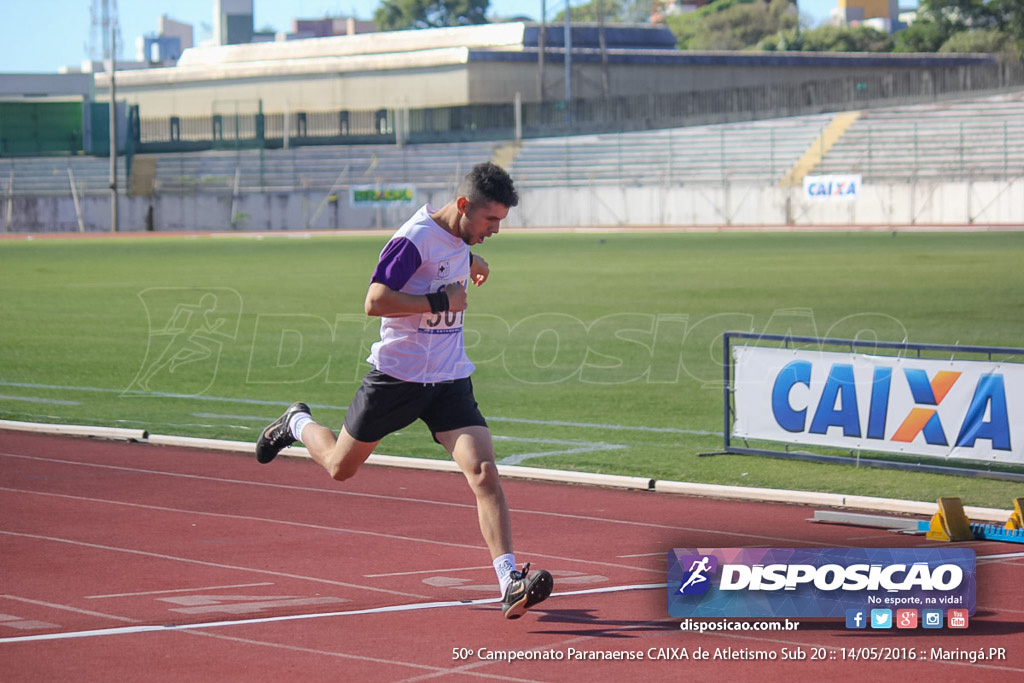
<point>385,404</point>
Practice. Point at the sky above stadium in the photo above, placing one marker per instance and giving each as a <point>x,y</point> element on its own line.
<point>44,35</point>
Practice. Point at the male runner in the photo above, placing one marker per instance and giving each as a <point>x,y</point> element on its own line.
<point>420,368</point>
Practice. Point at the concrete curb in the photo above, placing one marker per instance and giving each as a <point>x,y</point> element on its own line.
<point>834,500</point>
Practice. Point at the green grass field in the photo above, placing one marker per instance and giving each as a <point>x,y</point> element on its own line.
<point>595,352</point>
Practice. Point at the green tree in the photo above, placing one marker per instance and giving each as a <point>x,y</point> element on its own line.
<point>830,39</point>
<point>991,26</point>
<point>991,41</point>
<point>397,15</point>
<point>614,11</point>
<point>732,24</point>
<point>924,35</point>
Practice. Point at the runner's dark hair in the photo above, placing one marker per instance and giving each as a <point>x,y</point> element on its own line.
<point>489,182</point>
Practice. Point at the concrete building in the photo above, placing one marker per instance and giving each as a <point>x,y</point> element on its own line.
<point>880,14</point>
<point>232,22</point>
<point>486,64</point>
<point>330,26</point>
<point>164,48</point>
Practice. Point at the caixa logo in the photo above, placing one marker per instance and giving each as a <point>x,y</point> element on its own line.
<point>836,188</point>
<point>986,416</point>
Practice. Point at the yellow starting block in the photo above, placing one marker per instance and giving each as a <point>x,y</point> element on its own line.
<point>950,523</point>
<point>1016,520</point>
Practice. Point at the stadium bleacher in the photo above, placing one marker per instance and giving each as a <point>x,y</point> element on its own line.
<point>981,138</point>
<point>752,152</point>
<point>298,168</point>
<point>978,139</point>
<point>42,176</point>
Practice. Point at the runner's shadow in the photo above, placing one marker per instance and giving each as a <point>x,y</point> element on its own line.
<point>588,624</point>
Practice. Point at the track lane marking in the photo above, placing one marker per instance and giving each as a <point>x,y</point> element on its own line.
<point>409,607</point>
<point>219,565</point>
<point>375,534</point>
<point>68,608</point>
<point>278,404</point>
<point>178,590</point>
<point>424,501</point>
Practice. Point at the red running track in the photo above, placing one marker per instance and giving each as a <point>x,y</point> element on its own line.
<point>137,562</point>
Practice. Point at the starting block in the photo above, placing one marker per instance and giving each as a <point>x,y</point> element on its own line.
<point>951,524</point>
<point>1016,520</point>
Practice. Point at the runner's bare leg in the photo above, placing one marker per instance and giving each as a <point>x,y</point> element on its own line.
<point>340,455</point>
<point>473,451</point>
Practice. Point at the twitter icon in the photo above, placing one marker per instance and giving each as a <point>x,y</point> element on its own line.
<point>881,618</point>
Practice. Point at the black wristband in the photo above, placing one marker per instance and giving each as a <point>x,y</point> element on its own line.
<point>438,301</point>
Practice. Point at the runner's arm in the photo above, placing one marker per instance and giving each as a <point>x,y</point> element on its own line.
<point>382,301</point>
<point>478,270</point>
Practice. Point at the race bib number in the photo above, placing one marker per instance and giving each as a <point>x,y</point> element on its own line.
<point>446,322</point>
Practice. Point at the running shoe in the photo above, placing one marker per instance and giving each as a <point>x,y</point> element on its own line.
<point>277,436</point>
<point>523,593</point>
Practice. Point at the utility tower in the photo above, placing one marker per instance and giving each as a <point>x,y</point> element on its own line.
<point>102,45</point>
<point>107,33</point>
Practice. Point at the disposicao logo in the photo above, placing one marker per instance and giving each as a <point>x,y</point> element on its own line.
<point>696,580</point>
<point>819,582</point>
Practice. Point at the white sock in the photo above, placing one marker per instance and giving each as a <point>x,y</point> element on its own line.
<point>503,567</point>
<point>296,424</point>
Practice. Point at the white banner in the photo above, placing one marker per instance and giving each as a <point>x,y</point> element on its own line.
<point>947,409</point>
<point>832,187</point>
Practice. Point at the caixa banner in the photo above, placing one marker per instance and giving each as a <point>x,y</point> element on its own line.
<point>823,188</point>
<point>948,409</point>
<point>818,582</point>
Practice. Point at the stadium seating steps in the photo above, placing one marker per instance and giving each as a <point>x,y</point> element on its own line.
<point>980,138</point>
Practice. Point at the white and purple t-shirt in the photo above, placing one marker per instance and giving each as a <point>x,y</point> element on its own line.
<point>420,258</point>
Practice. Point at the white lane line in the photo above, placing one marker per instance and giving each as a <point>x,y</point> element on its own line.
<point>36,399</point>
<point>305,525</point>
<point>576,447</point>
<point>426,571</point>
<point>409,607</point>
<point>1005,556</point>
<point>592,425</point>
<point>263,419</point>
<point>204,563</point>
<point>311,651</point>
<point>178,590</point>
<point>279,404</point>
<point>68,608</point>
<point>424,501</point>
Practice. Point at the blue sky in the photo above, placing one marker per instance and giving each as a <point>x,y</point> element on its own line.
<point>44,35</point>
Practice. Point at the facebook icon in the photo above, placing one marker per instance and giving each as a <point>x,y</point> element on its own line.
<point>856,618</point>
